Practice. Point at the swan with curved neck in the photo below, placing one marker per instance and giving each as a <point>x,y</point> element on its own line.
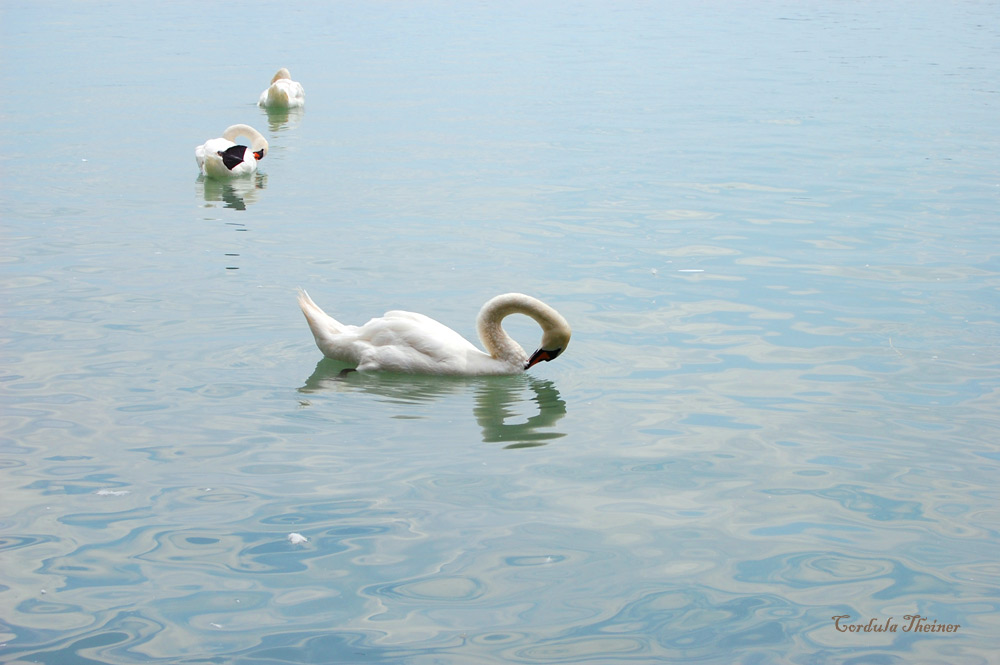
<point>224,158</point>
<point>412,343</point>
<point>283,93</point>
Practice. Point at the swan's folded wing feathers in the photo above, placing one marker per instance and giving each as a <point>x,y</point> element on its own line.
<point>409,329</point>
<point>410,342</point>
<point>214,146</point>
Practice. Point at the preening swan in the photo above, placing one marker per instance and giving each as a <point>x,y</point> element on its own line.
<point>284,93</point>
<point>222,158</point>
<point>416,344</point>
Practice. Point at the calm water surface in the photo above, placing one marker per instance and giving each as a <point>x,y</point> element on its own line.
<point>772,226</point>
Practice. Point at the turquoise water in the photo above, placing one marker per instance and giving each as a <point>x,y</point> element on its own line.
<point>773,228</point>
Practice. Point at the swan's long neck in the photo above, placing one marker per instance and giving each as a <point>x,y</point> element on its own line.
<point>498,343</point>
<point>257,141</point>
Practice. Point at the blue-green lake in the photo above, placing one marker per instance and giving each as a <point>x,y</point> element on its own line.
<point>774,228</point>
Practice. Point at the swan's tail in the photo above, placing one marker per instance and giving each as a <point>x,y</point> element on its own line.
<point>323,325</point>
<point>277,96</point>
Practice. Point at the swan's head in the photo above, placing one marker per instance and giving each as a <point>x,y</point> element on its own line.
<point>283,73</point>
<point>555,339</point>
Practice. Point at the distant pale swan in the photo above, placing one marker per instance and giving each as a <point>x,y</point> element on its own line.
<point>284,93</point>
<point>223,158</point>
<point>416,344</point>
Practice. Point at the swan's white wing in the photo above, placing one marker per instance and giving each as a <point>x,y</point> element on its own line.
<point>410,342</point>
<point>296,94</point>
<point>210,148</point>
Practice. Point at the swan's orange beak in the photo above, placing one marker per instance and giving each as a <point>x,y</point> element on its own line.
<point>540,355</point>
<point>258,154</point>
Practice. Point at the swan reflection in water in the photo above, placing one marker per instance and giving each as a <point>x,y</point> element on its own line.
<point>235,193</point>
<point>281,120</point>
<point>499,399</point>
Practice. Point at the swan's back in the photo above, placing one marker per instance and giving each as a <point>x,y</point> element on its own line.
<point>409,342</point>
<point>283,92</point>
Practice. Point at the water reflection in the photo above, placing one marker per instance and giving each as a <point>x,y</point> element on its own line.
<point>235,193</point>
<point>499,400</point>
<point>279,120</point>
<point>495,406</point>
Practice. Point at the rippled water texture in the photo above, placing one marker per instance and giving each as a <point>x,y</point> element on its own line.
<point>773,227</point>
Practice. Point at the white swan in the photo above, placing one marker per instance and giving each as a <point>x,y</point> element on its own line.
<point>416,344</point>
<point>222,158</point>
<point>284,93</point>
